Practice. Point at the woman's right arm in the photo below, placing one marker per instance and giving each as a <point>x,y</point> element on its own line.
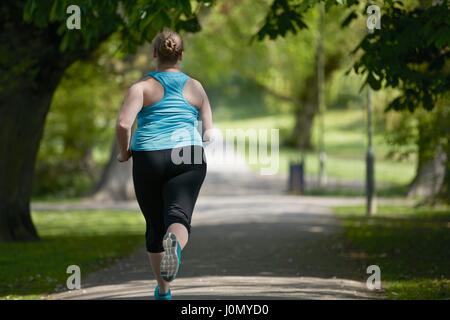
<point>130,108</point>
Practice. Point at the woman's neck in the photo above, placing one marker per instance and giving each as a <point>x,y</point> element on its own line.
<point>170,68</point>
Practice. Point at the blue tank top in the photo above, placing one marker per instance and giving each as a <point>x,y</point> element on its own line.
<point>169,123</point>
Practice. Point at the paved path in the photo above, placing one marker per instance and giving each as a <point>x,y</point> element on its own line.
<point>249,240</point>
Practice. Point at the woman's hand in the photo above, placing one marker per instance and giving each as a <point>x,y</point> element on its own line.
<point>124,157</point>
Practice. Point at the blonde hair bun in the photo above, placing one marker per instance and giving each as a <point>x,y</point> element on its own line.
<point>169,45</point>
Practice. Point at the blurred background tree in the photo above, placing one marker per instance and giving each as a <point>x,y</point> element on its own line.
<point>283,72</point>
<point>411,54</point>
<point>78,122</point>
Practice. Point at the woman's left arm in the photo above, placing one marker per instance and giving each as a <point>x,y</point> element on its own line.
<point>130,108</point>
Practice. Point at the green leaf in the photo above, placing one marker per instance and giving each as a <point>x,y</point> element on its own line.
<point>58,11</point>
<point>349,19</point>
<point>29,9</point>
<point>373,82</point>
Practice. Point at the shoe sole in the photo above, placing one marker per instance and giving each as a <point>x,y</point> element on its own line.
<point>169,263</point>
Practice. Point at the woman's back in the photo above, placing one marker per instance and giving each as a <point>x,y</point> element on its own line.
<point>167,119</point>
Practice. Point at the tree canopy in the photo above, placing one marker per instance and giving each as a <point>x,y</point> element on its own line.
<point>136,20</point>
<point>411,51</point>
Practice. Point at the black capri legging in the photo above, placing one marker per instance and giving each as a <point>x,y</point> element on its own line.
<point>167,183</point>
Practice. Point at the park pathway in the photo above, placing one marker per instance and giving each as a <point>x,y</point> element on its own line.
<point>249,241</point>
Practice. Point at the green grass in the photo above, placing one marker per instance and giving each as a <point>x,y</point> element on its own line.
<point>89,239</point>
<point>345,145</point>
<point>410,245</point>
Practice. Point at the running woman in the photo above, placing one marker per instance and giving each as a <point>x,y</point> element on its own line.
<point>168,156</point>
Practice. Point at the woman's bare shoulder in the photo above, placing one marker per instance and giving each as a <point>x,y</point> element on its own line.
<point>147,83</point>
<point>193,92</point>
<point>196,82</point>
<point>195,85</point>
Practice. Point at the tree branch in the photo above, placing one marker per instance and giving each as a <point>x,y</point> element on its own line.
<point>273,92</point>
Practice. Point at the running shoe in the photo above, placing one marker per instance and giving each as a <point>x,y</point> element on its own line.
<point>165,296</point>
<point>171,261</point>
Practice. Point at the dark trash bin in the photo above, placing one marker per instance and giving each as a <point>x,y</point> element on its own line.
<point>297,177</point>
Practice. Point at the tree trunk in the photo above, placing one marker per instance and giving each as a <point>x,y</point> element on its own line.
<point>31,68</point>
<point>430,177</point>
<point>304,117</point>
<point>432,180</point>
<point>308,107</point>
<point>23,112</point>
<point>444,192</point>
<point>116,183</point>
